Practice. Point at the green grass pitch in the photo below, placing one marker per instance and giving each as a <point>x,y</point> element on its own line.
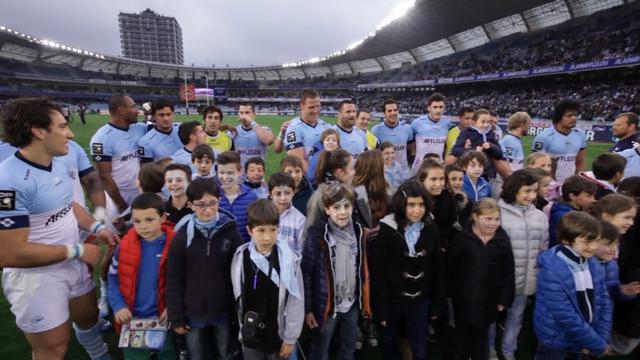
<point>15,347</point>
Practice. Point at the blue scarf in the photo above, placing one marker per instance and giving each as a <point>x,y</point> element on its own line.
<point>411,236</point>
<point>192,222</point>
<point>287,270</point>
<point>483,133</point>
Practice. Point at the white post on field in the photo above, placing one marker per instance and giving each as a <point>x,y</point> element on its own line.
<point>206,85</point>
<point>186,95</point>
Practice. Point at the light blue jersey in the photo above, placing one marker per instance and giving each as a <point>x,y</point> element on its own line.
<point>157,144</point>
<point>79,166</point>
<point>399,136</point>
<point>354,141</point>
<point>301,134</point>
<point>513,151</point>
<point>6,150</point>
<point>563,147</point>
<point>430,136</point>
<point>39,198</point>
<point>247,144</point>
<point>119,146</point>
<point>633,161</point>
<point>182,156</point>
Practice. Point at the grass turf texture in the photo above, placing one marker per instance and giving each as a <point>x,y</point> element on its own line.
<point>15,347</point>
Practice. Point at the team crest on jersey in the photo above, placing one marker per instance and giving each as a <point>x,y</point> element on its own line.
<point>538,145</point>
<point>97,149</point>
<point>140,151</point>
<point>291,137</point>
<point>509,151</point>
<point>7,200</point>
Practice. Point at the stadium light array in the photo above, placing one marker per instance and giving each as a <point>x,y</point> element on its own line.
<point>50,43</point>
<point>397,12</point>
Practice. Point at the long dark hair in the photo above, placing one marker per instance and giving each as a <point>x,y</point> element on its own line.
<point>370,173</point>
<point>329,162</point>
<point>410,188</point>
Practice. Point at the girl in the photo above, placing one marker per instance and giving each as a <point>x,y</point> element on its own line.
<point>544,182</point>
<point>329,140</point>
<point>480,279</point>
<point>620,210</point>
<point>407,271</point>
<point>544,161</point>
<point>445,207</point>
<point>333,166</point>
<point>528,230</point>
<point>370,185</point>
<point>393,172</point>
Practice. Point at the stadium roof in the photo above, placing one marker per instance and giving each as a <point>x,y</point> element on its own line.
<point>429,29</point>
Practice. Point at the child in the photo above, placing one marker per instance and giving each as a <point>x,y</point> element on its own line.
<point>408,286</point>
<point>511,144</point>
<point>292,165</point>
<point>606,253</point>
<point>254,170</point>
<point>481,137</point>
<point>291,227</point>
<point>444,209</point>
<point>572,315</point>
<point>202,159</point>
<point>138,271</point>
<point>336,277</point>
<point>199,294</point>
<point>329,140</point>
<point>234,198</point>
<point>528,230</point>
<point>475,186</point>
<point>544,161</point>
<point>393,172</point>
<point>267,280</point>
<point>481,279</point>
<point>544,179</point>
<point>455,179</point>
<point>577,194</point>
<point>370,185</point>
<point>176,179</point>
<point>608,171</point>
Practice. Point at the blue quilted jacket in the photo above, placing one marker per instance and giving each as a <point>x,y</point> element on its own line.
<point>557,319</point>
<point>239,208</point>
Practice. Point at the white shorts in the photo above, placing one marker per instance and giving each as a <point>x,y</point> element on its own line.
<point>39,298</point>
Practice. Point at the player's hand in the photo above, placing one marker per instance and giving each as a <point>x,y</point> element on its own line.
<point>123,315</point>
<point>479,148</point>
<point>467,144</point>
<point>100,214</point>
<point>310,320</point>
<point>630,289</point>
<point>92,254</point>
<point>283,128</point>
<point>486,145</point>
<point>500,308</point>
<point>105,235</point>
<point>225,127</point>
<point>286,350</point>
<point>182,329</point>
<point>163,317</point>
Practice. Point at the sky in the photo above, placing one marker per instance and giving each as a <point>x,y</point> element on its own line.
<point>233,32</point>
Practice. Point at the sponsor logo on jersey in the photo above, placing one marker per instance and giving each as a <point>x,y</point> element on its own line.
<point>291,137</point>
<point>509,151</point>
<point>538,146</point>
<point>59,215</point>
<point>97,149</point>
<point>140,151</point>
<point>7,200</point>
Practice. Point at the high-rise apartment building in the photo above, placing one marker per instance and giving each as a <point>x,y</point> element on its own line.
<point>152,37</point>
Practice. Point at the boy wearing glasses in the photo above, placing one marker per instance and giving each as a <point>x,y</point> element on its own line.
<point>199,293</point>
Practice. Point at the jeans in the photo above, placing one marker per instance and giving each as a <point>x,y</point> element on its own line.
<point>348,323</point>
<point>512,326</point>
<point>415,318</point>
<point>253,354</point>
<point>546,353</point>
<point>168,353</point>
<point>203,343</point>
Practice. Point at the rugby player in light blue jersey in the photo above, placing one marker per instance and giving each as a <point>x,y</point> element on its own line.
<point>395,132</point>
<point>511,144</point>
<point>45,275</point>
<point>162,141</point>
<point>251,139</point>
<point>303,132</point>
<point>6,150</point>
<point>430,131</point>
<point>191,134</point>
<point>116,153</point>
<point>563,141</point>
<point>352,139</point>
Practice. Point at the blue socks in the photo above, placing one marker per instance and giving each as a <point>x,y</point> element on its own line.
<point>91,340</point>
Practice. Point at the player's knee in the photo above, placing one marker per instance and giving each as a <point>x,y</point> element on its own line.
<point>54,349</point>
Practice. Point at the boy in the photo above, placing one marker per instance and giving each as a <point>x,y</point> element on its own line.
<point>606,253</point>
<point>281,189</point>
<point>254,170</point>
<point>234,198</point>
<point>608,171</point>
<point>293,166</point>
<point>138,271</point>
<point>336,277</point>
<point>393,172</point>
<point>176,179</point>
<point>511,143</point>
<point>199,294</point>
<point>573,311</point>
<point>267,280</point>
<point>202,159</point>
<point>577,194</point>
<point>474,185</point>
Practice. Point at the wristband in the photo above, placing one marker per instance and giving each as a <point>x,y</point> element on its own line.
<point>75,251</point>
<point>96,227</point>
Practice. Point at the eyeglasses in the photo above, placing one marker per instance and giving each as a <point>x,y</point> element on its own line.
<point>202,206</point>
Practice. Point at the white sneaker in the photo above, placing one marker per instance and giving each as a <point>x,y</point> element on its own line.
<point>103,307</point>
